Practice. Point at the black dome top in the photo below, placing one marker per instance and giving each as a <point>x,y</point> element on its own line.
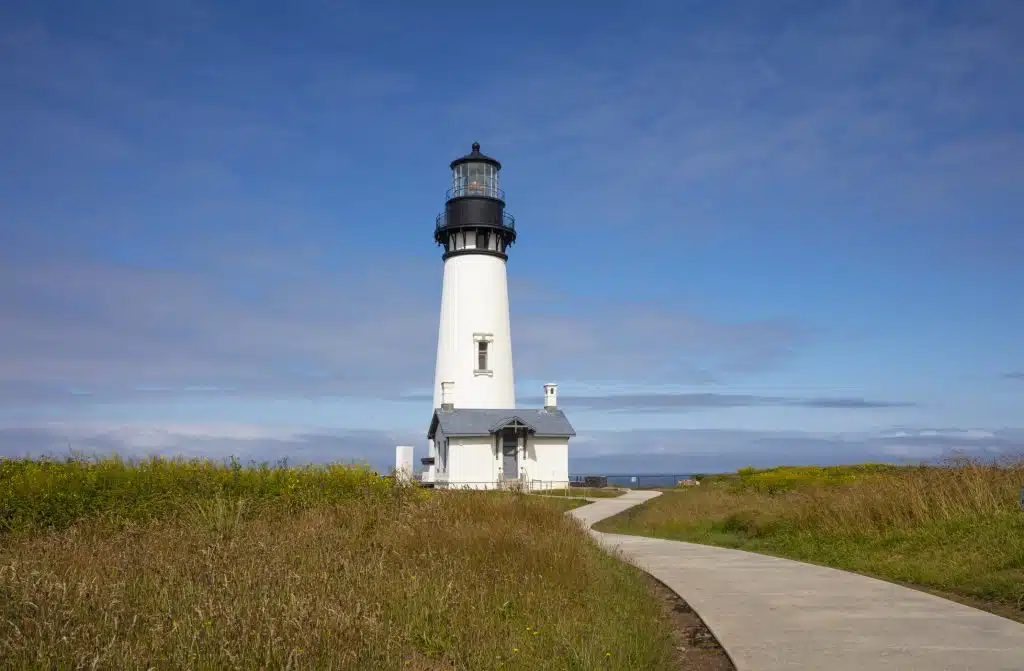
<point>476,157</point>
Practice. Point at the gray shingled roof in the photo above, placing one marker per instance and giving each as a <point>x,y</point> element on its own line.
<point>482,422</point>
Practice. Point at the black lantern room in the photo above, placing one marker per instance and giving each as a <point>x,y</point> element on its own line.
<point>474,220</point>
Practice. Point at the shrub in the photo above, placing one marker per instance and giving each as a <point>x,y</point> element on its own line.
<point>51,494</point>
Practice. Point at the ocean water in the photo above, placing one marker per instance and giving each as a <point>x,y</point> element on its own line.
<point>641,481</point>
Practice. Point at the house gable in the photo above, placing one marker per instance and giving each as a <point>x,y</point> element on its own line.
<point>512,422</point>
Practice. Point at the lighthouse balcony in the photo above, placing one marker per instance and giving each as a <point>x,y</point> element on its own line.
<point>459,235</point>
<point>444,222</point>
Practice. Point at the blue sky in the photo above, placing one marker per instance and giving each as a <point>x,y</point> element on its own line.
<point>749,233</point>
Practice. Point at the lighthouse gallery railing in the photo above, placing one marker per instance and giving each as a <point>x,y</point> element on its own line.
<point>507,220</point>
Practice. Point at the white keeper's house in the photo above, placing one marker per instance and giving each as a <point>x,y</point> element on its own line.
<point>477,437</point>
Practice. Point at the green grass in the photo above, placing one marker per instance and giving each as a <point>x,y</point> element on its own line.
<point>172,564</point>
<point>955,530</point>
<point>47,494</point>
<point>584,492</point>
<point>563,504</point>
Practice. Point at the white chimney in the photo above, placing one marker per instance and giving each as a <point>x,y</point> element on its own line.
<point>447,395</point>
<point>551,396</point>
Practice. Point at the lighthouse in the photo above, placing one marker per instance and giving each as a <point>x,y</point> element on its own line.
<point>477,437</point>
<point>476,235</point>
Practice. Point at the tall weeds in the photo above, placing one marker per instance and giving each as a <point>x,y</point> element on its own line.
<point>911,498</point>
<point>50,494</point>
<point>198,566</point>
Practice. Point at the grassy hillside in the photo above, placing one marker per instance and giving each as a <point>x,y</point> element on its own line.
<point>955,529</point>
<point>194,565</point>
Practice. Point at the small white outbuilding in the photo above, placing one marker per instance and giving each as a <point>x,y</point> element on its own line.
<point>485,448</point>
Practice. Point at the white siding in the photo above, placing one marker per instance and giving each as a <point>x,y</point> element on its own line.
<point>472,463</point>
<point>547,462</point>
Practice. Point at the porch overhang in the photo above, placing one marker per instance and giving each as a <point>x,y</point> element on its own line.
<point>512,422</point>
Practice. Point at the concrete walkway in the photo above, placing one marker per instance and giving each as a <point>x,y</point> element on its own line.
<point>770,613</point>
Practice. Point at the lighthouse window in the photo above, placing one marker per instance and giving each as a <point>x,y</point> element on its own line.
<point>481,350</point>
<point>458,179</point>
<point>481,239</point>
<point>475,179</point>
<point>481,355</point>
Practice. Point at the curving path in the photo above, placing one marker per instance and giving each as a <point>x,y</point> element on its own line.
<point>771,613</point>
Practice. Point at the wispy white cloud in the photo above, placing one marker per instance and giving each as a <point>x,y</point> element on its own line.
<point>247,443</point>
<point>688,451</point>
<point>608,452</point>
<point>878,104</point>
<point>104,328</point>
<point>882,105</point>
<point>268,325</point>
<point>674,402</point>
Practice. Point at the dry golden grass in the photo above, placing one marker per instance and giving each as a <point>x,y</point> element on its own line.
<point>406,580</point>
<point>956,529</point>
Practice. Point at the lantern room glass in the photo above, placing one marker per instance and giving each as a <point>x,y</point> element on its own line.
<point>475,179</point>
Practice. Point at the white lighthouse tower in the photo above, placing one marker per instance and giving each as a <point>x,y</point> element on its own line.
<point>474,386</point>
<point>474,341</point>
